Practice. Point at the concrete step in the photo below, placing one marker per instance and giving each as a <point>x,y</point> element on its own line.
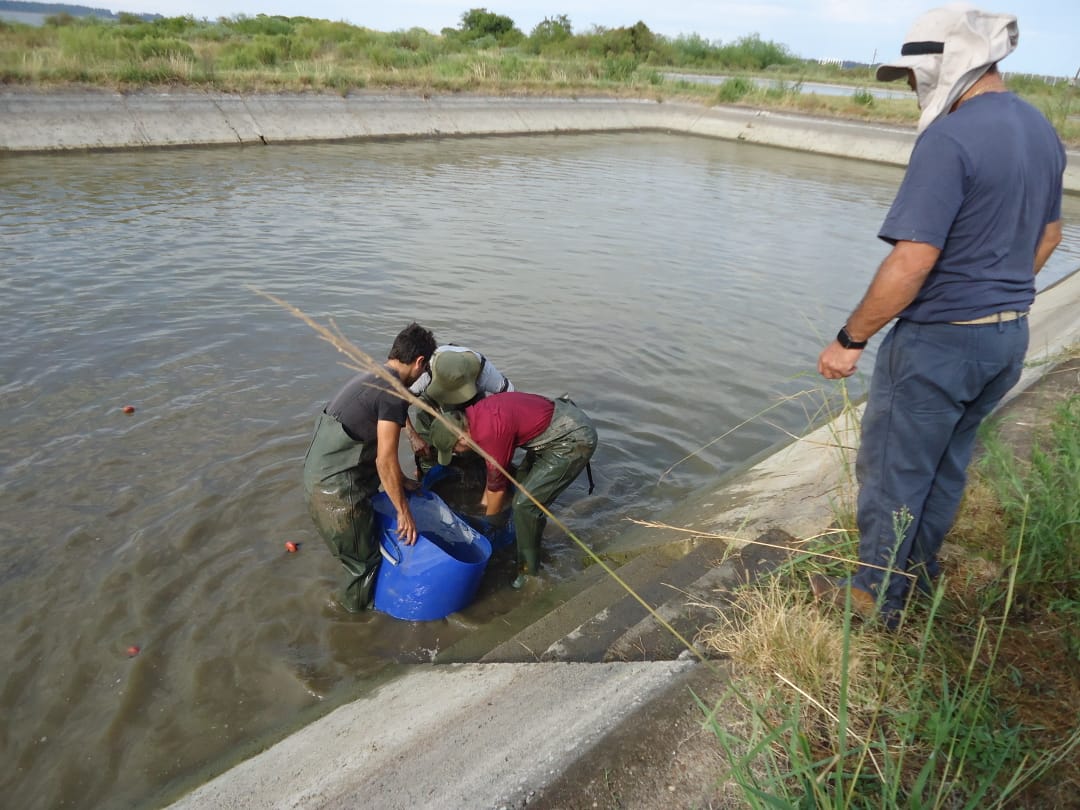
<point>655,579</point>
<point>483,638</point>
<point>530,641</point>
<point>593,618</point>
<point>698,604</point>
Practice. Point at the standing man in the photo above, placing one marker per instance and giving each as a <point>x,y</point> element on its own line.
<point>559,439</point>
<point>976,217</point>
<point>353,452</point>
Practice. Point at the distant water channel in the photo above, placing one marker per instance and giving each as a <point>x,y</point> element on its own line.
<point>674,286</point>
<point>811,88</point>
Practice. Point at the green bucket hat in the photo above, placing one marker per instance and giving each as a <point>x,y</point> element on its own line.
<point>453,377</point>
<point>443,439</point>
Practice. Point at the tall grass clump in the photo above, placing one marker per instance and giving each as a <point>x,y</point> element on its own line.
<point>863,97</point>
<point>1047,489</point>
<point>734,89</point>
<point>847,716</point>
<point>960,707</point>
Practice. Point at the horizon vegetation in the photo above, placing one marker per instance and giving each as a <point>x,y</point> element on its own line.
<point>486,53</point>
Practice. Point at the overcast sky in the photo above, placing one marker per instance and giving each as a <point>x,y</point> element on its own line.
<point>861,30</point>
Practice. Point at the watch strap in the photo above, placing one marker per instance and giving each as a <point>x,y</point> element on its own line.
<point>845,340</point>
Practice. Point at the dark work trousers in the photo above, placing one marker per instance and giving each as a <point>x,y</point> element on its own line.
<point>933,384</point>
<point>554,459</point>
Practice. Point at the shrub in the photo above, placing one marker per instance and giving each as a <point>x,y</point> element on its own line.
<point>165,49</point>
<point>260,24</point>
<point>863,97</point>
<point>733,90</point>
<point>550,35</point>
<point>619,68</point>
<point>249,56</point>
<point>93,44</point>
<point>397,58</point>
<point>478,23</point>
<point>59,20</point>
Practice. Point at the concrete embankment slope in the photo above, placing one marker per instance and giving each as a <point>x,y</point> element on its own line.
<point>92,119</point>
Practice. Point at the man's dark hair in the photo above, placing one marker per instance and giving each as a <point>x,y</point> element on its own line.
<point>413,341</point>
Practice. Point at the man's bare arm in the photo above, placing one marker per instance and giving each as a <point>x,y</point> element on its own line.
<point>1051,238</point>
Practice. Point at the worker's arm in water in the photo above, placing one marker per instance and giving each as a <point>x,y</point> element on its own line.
<point>392,478</point>
<point>1051,238</point>
<point>897,282</point>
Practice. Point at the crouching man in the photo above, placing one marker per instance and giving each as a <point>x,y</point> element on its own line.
<point>559,440</point>
<point>353,452</point>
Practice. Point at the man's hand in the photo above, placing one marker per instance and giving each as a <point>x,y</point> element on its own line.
<point>406,527</point>
<point>836,362</point>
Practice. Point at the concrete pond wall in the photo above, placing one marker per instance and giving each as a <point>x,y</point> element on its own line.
<point>35,121</point>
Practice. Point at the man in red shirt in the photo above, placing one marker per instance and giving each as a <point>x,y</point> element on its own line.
<point>559,440</point>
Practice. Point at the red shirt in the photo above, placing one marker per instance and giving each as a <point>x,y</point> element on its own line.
<point>500,423</point>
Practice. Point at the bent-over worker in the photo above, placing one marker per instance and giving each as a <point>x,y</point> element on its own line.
<point>559,439</point>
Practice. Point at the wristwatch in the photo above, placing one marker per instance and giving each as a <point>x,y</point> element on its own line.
<point>845,340</point>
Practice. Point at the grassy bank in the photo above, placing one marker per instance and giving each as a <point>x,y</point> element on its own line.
<point>974,702</point>
<point>485,54</point>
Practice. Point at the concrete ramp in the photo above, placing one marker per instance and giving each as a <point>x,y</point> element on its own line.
<point>445,737</point>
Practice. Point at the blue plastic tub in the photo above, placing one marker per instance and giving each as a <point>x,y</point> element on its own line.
<point>436,576</point>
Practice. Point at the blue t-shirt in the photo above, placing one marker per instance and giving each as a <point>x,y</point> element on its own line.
<point>982,184</point>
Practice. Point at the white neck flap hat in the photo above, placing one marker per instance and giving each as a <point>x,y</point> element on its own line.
<point>949,49</point>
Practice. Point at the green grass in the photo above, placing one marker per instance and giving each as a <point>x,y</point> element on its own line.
<point>486,53</point>
<point>971,704</point>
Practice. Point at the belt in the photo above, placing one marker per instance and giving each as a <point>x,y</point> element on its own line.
<point>997,317</point>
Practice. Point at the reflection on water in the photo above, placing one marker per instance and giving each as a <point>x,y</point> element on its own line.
<point>675,287</point>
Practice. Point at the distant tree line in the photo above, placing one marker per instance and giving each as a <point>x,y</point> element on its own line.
<point>283,38</point>
<point>65,8</point>
<point>555,36</point>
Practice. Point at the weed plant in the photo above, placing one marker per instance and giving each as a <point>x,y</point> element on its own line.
<point>1047,490</point>
<point>960,707</point>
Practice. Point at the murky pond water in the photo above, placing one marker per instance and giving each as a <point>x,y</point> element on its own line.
<point>676,287</point>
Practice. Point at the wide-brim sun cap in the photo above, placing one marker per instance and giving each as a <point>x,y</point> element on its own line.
<point>949,49</point>
<point>453,377</point>
<point>443,439</point>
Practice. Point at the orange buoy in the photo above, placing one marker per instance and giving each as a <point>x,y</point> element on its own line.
<point>129,409</point>
<point>132,651</point>
<point>291,547</point>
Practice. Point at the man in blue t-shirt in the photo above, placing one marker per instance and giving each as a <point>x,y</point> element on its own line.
<point>976,217</point>
<point>353,452</point>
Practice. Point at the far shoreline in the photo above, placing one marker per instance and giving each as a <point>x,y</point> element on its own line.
<point>67,119</point>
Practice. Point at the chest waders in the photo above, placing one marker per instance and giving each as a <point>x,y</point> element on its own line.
<point>554,459</point>
<point>340,479</point>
